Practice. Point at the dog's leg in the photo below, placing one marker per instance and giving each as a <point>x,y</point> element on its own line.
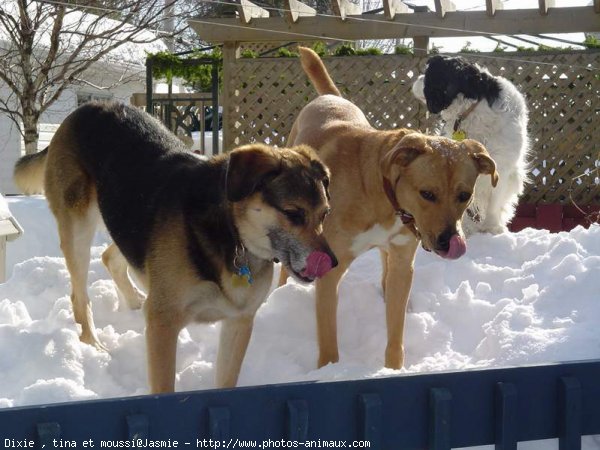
<point>384,269</point>
<point>233,342</point>
<point>397,287</point>
<point>76,233</point>
<point>116,264</point>
<point>502,203</point>
<point>162,329</point>
<point>283,276</point>
<point>326,290</point>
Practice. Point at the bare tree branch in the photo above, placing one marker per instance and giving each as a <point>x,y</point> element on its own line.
<point>47,46</point>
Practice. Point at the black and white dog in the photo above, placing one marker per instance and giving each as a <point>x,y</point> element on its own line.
<point>475,104</point>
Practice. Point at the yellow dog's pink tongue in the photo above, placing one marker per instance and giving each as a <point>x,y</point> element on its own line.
<point>457,247</point>
<point>317,265</point>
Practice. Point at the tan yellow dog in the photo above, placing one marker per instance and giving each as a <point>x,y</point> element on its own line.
<point>201,235</point>
<point>389,189</point>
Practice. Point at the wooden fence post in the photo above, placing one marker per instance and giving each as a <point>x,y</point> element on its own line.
<point>230,55</point>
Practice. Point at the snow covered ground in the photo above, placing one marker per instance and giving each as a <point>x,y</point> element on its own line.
<point>522,298</point>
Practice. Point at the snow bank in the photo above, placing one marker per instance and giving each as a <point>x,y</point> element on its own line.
<point>522,298</point>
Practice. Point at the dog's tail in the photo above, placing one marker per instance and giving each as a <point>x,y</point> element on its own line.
<point>317,73</point>
<point>29,172</point>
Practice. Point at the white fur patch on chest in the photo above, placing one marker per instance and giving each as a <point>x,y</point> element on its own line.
<point>378,236</point>
<point>207,302</point>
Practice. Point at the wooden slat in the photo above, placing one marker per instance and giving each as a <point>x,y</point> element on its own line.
<point>48,433</point>
<point>249,11</point>
<point>7,228</point>
<point>569,413</point>
<point>393,7</point>
<point>544,5</point>
<point>137,426</point>
<point>444,6</point>
<point>343,8</point>
<point>459,23</point>
<point>297,420</point>
<point>440,404</point>
<point>219,423</point>
<point>506,413</point>
<point>597,6</point>
<point>370,428</point>
<point>492,5</point>
<point>295,9</point>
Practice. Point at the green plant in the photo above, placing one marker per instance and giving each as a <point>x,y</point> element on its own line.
<point>166,66</point>
<point>521,48</point>
<point>468,49</point>
<point>591,41</point>
<point>348,50</point>
<point>320,48</point>
<point>403,50</point>
<point>285,52</point>
<point>499,48</point>
<point>248,53</point>
<point>369,51</point>
<point>344,50</point>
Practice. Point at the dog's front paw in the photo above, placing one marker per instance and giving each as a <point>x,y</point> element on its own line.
<point>92,339</point>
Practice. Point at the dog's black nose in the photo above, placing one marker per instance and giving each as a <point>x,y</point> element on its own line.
<point>443,241</point>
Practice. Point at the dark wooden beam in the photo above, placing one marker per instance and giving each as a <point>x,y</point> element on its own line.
<point>421,45</point>
<point>459,23</point>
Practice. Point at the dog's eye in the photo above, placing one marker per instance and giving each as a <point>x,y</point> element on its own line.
<point>296,216</point>
<point>464,197</point>
<point>428,195</point>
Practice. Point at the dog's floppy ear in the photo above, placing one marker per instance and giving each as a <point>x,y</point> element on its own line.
<point>403,153</point>
<point>248,167</point>
<point>322,173</point>
<point>484,162</point>
<point>319,170</point>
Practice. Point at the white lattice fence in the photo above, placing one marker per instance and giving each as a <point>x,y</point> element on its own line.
<point>563,96</point>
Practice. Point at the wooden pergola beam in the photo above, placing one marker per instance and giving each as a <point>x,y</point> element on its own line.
<point>459,23</point>
<point>295,9</point>
<point>249,11</point>
<point>393,7</point>
<point>544,5</point>
<point>343,8</point>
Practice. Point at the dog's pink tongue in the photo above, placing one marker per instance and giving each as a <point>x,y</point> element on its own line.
<point>457,247</point>
<point>317,265</point>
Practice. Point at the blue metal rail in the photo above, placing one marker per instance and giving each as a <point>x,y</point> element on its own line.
<point>425,411</point>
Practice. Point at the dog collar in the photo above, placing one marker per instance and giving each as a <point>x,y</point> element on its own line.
<point>460,134</point>
<point>406,217</point>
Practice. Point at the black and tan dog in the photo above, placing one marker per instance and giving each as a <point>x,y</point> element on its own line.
<point>390,190</point>
<point>201,235</point>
